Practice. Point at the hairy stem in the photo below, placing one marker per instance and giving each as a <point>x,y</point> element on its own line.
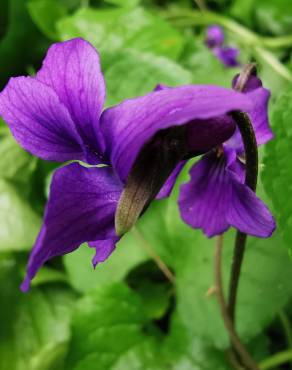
<point>245,357</point>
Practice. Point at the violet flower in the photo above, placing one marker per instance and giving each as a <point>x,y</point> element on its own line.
<point>215,41</point>
<point>140,144</point>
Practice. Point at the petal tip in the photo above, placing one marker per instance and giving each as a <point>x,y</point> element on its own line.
<point>25,285</point>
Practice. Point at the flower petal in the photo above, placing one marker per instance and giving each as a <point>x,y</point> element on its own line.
<point>131,124</point>
<point>203,200</point>
<point>215,36</point>
<point>215,198</point>
<point>72,69</point>
<point>81,208</point>
<point>38,120</point>
<point>203,135</point>
<point>166,190</point>
<point>103,249</point>
<point>247,212</point>
<point>227,55</point>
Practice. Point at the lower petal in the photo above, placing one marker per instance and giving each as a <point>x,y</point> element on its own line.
<point>203,199</point>
<point>216,198</point>
<point>103,249</point>
<point>247,212</point>
<point>81,208</point>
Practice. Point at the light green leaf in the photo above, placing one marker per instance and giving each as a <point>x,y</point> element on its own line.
<point>143,72</point>
<point>205,67</point>
<point>114,29</point>
<point>16,164</point>
<point>19,222</point>
<point>83,277</point>
<point>35,333</point>
<point>273,16</point>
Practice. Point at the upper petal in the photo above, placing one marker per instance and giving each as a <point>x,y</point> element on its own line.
<point>131,124</point>
<point>39,121</point>
<point>81,208</point>
<point>72,69</point>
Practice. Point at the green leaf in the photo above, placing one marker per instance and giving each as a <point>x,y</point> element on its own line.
<point>243,10</point>
<point>15,51</point>
<point>273,16</point>
<point>35,327</point>
<point>16,164</point>
<point>49,275</point>
<point>19,222</point>
<point>83,277</point>
<point>277,174</point>
<point>106,324</point>
<point>111,331</point>
<point>45,14</point>
<point>114,29</point>
<point>205,67</point>
<point>144,71</point>
<point>4,17</point>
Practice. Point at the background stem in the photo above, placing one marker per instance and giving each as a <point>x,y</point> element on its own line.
<point>246,358</point>
<point>274,361</point>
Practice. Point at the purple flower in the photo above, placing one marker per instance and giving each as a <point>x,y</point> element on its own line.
<point>215,41</point>
<point>140,144</point>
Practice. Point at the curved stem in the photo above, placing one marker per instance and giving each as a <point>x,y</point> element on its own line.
<point>276,360</point>
<point>246,358</point>
<point>251,157</point>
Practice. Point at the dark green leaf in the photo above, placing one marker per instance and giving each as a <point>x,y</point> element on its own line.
<point>45,14</point>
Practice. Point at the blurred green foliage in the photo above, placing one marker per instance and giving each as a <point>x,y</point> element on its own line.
<point>126,314</point>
